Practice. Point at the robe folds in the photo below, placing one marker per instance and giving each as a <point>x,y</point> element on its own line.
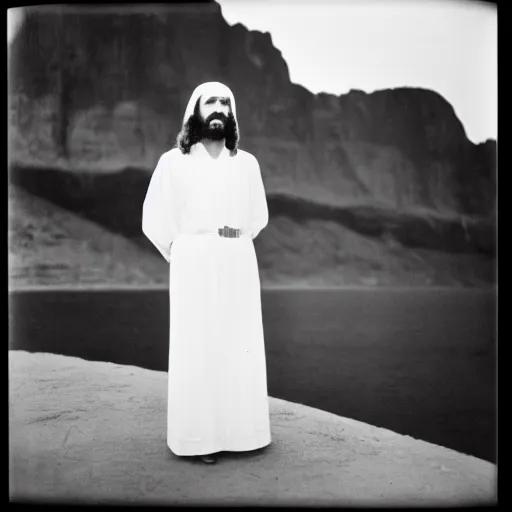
<point>217,382</point>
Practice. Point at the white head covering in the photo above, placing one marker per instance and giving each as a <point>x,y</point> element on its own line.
<point>210,89</point>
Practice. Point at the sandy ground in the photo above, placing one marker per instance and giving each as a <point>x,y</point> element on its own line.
<point>89,432</point>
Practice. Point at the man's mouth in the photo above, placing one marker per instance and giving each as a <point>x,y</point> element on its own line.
<point>216,122</point>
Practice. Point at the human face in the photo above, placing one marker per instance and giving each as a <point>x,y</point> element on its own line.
<point>213,113</point>
<point>210,107</point>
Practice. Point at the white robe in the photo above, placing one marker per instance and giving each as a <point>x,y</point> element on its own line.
<point>217,383</point>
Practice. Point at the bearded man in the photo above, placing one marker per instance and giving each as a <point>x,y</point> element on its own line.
<point>206,199</point>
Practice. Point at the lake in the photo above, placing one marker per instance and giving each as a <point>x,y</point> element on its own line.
<point>420,362</point>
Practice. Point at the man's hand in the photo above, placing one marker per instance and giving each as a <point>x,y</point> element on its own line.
<point>228,232</point>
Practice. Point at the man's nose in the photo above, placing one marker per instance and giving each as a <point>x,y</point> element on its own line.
<point>220,107</point>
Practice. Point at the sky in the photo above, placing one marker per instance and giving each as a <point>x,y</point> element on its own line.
<point>449,46</point>
<point>14,18</point>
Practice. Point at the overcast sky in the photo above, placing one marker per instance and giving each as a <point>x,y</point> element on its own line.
<point>337,45</point>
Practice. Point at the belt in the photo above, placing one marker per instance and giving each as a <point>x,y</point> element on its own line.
<point>230,233</point>
<point>224,232</point>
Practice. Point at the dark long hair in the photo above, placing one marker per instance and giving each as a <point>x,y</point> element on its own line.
<point>191,133</point>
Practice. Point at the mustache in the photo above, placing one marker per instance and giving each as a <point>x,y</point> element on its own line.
<point>215,115</point>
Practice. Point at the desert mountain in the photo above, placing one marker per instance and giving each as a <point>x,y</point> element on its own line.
<point>96,96</point>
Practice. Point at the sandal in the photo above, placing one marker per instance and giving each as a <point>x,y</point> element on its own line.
<point>209,459</point>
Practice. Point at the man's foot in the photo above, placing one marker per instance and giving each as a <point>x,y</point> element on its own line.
<point>209,459</point>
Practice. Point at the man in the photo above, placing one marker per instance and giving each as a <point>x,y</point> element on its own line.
<point>206,199</point>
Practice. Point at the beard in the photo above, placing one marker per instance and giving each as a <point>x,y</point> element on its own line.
<point>192,131</point>
<point>215,131</point>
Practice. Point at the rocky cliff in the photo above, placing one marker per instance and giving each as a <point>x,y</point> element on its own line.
<point>97,91</point>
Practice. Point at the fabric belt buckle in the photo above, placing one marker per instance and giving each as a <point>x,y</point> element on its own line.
<point>227,232</point>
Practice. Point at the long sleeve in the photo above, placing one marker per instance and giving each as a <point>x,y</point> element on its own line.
<point>158,220</point>
<point>258,208</point>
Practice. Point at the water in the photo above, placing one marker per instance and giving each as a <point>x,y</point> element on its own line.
<point>419,362</point>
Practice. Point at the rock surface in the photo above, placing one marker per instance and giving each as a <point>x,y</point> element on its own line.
<point>50,246</point>
<point>388,168</point>
<point>91,432</point>
<point>403,148</point>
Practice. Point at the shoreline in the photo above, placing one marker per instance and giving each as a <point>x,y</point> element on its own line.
<point>148,288</point>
